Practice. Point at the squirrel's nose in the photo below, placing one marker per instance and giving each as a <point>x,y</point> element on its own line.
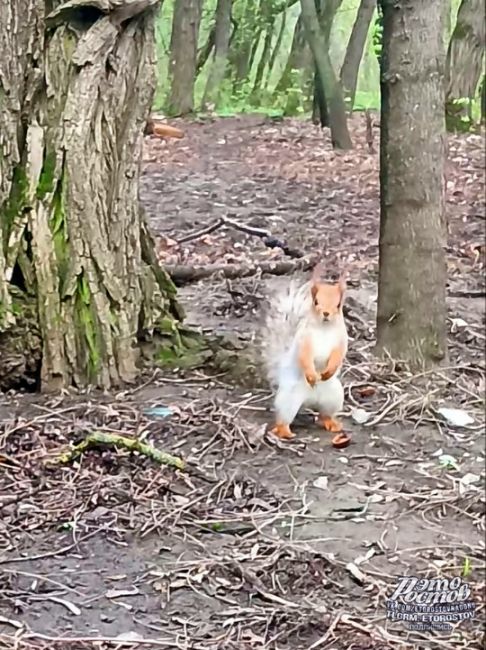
<point>325,314</point>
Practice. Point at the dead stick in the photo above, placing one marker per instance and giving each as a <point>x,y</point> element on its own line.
<point>182,275</point>
<point>97,439</point>
<point>200,233</point>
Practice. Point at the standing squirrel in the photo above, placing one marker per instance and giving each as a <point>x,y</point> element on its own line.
<point>304,345</point>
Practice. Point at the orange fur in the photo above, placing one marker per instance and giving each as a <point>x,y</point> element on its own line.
<point>330,424</point>
<point>306,362</point>
<point>335,361</point>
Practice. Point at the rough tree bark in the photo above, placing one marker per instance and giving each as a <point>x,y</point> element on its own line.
<point>465,56</point>
<point>79,284</point>
<point>183,56</point>
<point>222,31</point>
<point>411,318</point>
<point>319,45</point>
<point>354,51</point>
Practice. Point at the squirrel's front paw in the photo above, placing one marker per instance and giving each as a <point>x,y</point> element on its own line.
<point>312,377</point>
<point>327,374</point>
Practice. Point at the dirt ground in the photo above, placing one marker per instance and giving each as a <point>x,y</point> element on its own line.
<point>256,544</point>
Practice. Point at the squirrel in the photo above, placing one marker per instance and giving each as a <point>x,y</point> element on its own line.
<point>305,342</point>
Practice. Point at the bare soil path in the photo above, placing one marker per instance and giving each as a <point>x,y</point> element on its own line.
<point>258,545</point>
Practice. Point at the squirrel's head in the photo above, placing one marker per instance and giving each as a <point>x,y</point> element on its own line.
<point>327,298</point>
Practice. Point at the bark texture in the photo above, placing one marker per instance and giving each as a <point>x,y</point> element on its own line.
<point>465,54</point>
<point>354,51</point>
<point>183,56</point>
<point>222,31</point>
<point>318,39</point>
<point>411,318</point>
<point>79,283</point>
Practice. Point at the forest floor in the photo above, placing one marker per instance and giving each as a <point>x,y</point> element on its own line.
<point>257,544</point>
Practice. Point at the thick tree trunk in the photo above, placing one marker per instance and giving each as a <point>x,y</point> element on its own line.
<point>411,319</point>
<point>221,45</point>
<point>354,51</point>
<point>79,283</point>
<point>183,56</point>
<point>319,45</point>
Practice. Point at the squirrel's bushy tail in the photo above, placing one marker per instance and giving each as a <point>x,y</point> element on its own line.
<point>284,313</point>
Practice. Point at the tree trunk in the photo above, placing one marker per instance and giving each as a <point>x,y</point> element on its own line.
<point>354,51</point>
<point>262,63</point>
<point>221,45</point>
<point>411,318</point>
<point>79,284</point>
<point>183,56</point>
<point>300,57</point>
<point>241,49</point>
<point>465,55</point>
<point>483,100</point>
<point>276,48</point>
<point>319,45</point>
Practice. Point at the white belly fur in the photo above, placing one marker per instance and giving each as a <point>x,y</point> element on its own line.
<point>294,391</point>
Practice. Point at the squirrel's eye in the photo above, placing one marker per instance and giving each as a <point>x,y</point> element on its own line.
<point>316,302</point>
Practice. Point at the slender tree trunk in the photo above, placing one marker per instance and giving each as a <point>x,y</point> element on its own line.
<point>183,56</point>
<point>465,57</point>
<point>411,319</point>
<point>79,284</point>
<point>300,57</point>
<point>221,46</point>
<point>276,48</point>
<point>262,63</point>
<point>205,52</point>
<point>319,44</point>
<point>354,51</point>
<point>241,47</point>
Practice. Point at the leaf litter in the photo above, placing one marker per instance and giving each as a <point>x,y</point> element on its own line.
<point>256,544</point>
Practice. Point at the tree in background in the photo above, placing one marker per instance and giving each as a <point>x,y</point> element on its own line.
<point>79,283</point>
<point>411,318</point>
<point>222,32</point>
<point>183,56</point>
<point>465,58</point>
<point>296,77</point>
<point>354,51</point>
<point>318,39</point>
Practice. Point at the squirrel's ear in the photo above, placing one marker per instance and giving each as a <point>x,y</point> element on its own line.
<point>341,284</point>
<point>314,289</point>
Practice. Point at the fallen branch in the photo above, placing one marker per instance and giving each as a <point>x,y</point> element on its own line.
<point>99,439</point>
<point>182,275</point>
<point>269,240</point>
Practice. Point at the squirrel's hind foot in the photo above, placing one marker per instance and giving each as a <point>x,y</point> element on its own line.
<point>330,424</point>
<point>282,431</point>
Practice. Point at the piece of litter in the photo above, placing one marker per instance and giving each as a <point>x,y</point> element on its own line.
<point>321,482</point>
<point>469,478</point>
<point>118,593</point>
<point>159,411</point>
<point>456,417</point>
<point>360,415</point>
<point>449,462</point>
<point>355,572</point>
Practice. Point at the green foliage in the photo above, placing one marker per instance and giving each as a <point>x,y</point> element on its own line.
<point>235,98</point>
